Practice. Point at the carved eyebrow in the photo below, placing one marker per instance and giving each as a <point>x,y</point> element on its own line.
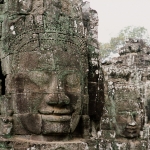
<point>128,112</point>
<point>68,72</point>
<point>123,112</point>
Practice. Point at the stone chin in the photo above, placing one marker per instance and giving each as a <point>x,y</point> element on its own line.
<point>52,124</point>
<point>129,133</point>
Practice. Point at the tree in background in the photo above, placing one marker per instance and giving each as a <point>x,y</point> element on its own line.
<point>119,41</point>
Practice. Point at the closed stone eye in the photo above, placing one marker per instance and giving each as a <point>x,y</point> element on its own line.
<point>39,77</point>
<point>72,80</point>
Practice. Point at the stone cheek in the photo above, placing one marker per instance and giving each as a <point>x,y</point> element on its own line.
<point>27,123</point>
<point>49,126</point>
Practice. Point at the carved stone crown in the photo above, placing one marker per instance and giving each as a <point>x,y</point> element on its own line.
<point>42,27</point>
<point>27,35</point>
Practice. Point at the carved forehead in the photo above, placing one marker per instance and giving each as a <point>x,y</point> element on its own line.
<point>128,105</point>
<point>52,59</point>
<point>127,97</point>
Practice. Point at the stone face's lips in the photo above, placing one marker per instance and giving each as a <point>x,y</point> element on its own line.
<point>46,110</point>
<point>131,135</point>
<point>49,110</point>
<point>54,118</point>
<point>131,131</point>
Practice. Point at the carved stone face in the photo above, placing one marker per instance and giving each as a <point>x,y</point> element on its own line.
<point>129,118</point>
<point>124,111</point>
<point>47,91</point>
<point>129,110</point>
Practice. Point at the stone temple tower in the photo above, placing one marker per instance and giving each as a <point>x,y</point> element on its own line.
<point>52,83</point>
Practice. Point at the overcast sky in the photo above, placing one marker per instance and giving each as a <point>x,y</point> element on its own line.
<point>114,15</point>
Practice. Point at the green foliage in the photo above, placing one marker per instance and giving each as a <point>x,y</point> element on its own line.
<point>119,41</point>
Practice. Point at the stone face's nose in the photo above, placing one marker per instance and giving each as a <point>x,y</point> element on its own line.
<point>57,103</point>
<point>57,99</point>
<point>131,121</point>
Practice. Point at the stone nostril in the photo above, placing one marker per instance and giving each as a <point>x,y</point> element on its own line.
<point>63,99</point>
<point>131,121</point>
<point>57,99</point>
<point>52,99</point>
